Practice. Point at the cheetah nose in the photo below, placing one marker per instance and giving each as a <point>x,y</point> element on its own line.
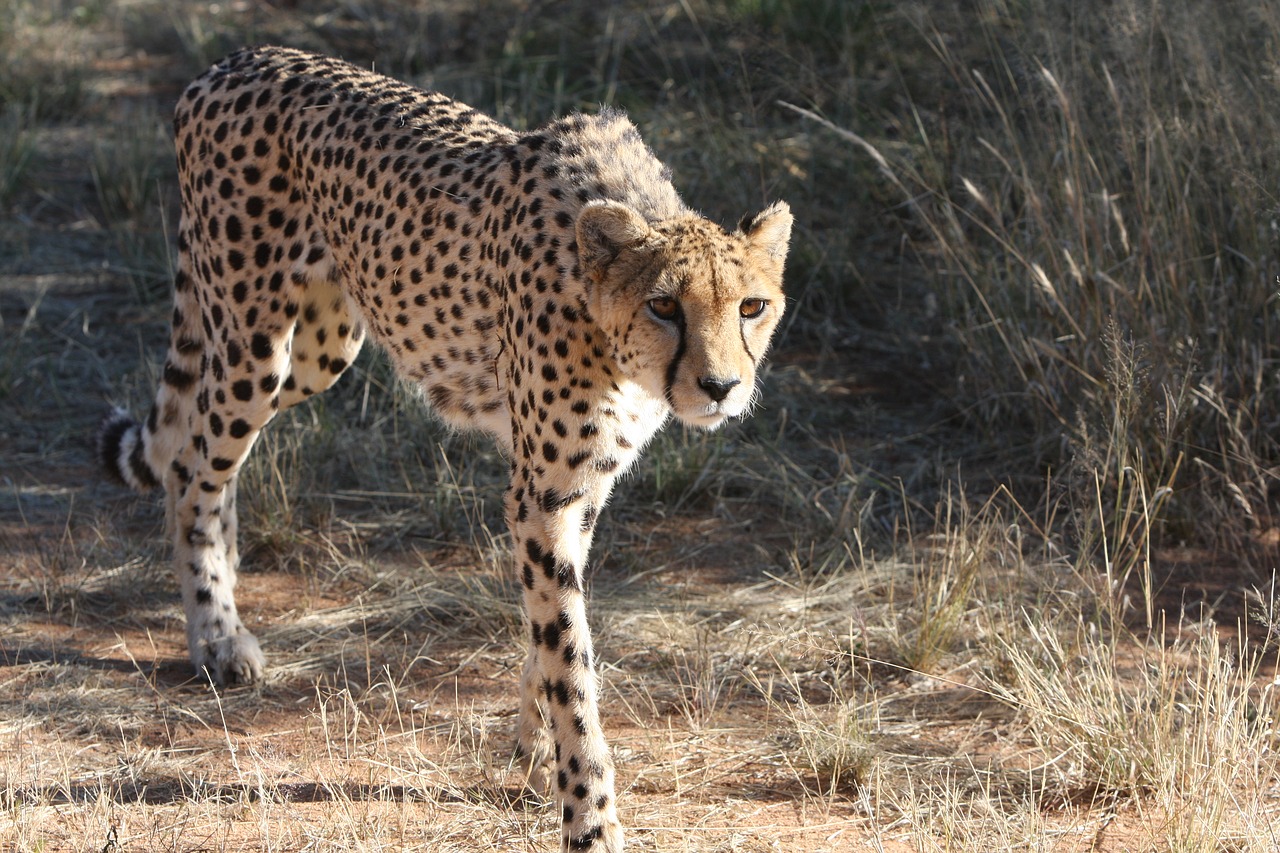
<point>717,389</point>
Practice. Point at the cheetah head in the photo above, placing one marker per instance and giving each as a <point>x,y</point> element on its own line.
<point>688,307</point>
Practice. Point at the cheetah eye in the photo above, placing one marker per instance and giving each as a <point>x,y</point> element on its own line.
<point>664,307</point>
<point>752,308</point>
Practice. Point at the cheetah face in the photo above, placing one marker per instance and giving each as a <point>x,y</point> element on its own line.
<point>688,308</point>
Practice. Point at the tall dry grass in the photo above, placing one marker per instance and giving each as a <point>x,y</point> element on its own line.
<point>1092,187</point>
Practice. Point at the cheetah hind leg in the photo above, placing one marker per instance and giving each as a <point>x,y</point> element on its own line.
<point>235,658</point>
<point>221,647</point>
<point>534,749</point>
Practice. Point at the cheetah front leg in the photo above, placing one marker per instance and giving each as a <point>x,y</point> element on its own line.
<point>561,683</point>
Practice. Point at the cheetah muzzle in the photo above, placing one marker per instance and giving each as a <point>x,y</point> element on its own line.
<point>548,288</point>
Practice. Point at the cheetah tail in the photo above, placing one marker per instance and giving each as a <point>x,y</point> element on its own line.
<point>122,453</point>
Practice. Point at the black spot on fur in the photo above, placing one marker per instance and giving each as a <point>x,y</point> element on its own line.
<point>260,346</point>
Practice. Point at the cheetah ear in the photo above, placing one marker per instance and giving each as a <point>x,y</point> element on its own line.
<point>770,230</point>
<point>606,232</point>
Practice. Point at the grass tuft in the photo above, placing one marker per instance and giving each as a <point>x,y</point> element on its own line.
<point>42,68</point>
<point>17,151</point>
<point>1179,722</point>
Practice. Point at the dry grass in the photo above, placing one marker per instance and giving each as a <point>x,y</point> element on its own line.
<point>990,570</point>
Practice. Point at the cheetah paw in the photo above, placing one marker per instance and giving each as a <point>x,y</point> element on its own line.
<point>602,838</point>
<point>536,769</point>
<point>230,660</point>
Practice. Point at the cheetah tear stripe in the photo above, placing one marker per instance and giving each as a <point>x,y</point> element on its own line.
<point>548,288</point>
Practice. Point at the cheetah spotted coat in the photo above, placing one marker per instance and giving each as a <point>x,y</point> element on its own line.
<point>548,288</point>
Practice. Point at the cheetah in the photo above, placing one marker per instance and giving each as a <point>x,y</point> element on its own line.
<point>549,288</point>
